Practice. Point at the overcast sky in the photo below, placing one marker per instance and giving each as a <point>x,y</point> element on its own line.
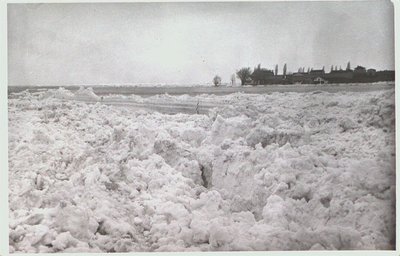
<point>188,43</point>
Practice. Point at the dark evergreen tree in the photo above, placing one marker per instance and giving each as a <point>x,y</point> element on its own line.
<point>284,70</point>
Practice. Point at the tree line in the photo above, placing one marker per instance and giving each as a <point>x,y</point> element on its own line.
<point>268,76</point>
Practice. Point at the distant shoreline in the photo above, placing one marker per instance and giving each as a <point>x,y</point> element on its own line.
<point>222,90</point>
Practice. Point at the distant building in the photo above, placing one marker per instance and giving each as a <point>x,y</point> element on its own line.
<point>262,75</point>
<point>317,73</point>
<point>320,80</point>
<point>371,72</point>
<point>301,78</point>
<point>360,70</point>
<point>360,74</point>
<point>385,75</point>
<point>339,76</point>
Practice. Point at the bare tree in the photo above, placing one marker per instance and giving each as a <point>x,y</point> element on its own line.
<point>276,69</point>
<point>217,81</point>
<point>244,74</point>
<point>233,79</point>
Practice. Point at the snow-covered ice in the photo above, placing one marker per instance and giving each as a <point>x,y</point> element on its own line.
<point>280,171</point>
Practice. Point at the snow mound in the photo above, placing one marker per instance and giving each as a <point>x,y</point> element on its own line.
<point>60,93</point>
<point>85,94</point>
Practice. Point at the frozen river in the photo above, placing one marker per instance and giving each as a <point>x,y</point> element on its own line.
<point>125,96</point>
<point>191,90</point>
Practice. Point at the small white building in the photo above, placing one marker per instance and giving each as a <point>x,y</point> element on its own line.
<point>320,80</point>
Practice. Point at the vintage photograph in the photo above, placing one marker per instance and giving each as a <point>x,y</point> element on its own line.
<point>201,126</point>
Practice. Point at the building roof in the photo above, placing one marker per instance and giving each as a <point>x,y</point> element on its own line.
<point>299,74</point>
<point>317,71</point>
<point>261,73</point>
<point>341,71</point>
<point>359,68</point>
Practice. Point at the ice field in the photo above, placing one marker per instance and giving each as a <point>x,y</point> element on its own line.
<point>279,171</point>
